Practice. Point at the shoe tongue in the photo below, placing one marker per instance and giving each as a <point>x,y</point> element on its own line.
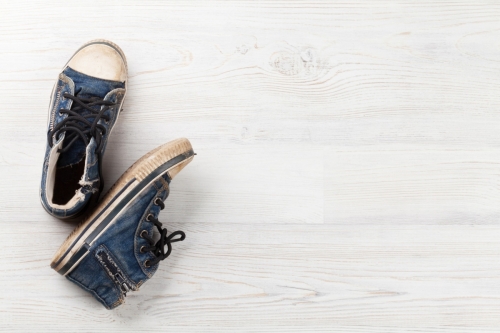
<point>85,87</point>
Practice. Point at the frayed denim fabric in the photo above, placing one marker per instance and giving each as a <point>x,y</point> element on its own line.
<point>115,264</point>
<point>83,86</point>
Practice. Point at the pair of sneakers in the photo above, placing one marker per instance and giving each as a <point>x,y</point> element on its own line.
<point>115,248</point>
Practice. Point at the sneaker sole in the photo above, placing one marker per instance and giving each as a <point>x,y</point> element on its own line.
<point>170,157</point>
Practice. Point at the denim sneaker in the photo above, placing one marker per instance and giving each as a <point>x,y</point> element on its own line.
<point>115,250</point>
<point>84,107</point>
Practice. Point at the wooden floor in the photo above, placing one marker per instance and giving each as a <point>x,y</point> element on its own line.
<point>347,176</point>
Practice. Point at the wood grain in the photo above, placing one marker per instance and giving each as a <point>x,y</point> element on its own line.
<point>347,175</point>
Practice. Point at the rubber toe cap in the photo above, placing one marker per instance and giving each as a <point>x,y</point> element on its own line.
<point>101,61</point>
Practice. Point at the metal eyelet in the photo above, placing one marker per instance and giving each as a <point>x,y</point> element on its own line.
<point>147,264</point>
<point>142,232</point>
<point>156,201</point>
<point>147,217</point>
<point>141,250</point>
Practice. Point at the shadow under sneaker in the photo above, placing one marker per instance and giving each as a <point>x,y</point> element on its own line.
<point>84,107</point>
<point>115,250</point>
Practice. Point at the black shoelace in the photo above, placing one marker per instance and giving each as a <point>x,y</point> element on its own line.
<point>78,125</point>
<point>158,248</point>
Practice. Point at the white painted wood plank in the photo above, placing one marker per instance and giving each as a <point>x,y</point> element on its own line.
<point>412,187</point>
<point>271,275</point>
<point>224,183</point>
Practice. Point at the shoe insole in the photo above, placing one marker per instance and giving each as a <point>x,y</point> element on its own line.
<point>67,182</point>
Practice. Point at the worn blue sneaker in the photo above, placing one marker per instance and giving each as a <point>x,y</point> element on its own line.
<point>84,107</point>
<point>115,249</point>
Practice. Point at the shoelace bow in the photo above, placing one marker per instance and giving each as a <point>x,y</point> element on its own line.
<point>158,248</point>
<point>79,126</point>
